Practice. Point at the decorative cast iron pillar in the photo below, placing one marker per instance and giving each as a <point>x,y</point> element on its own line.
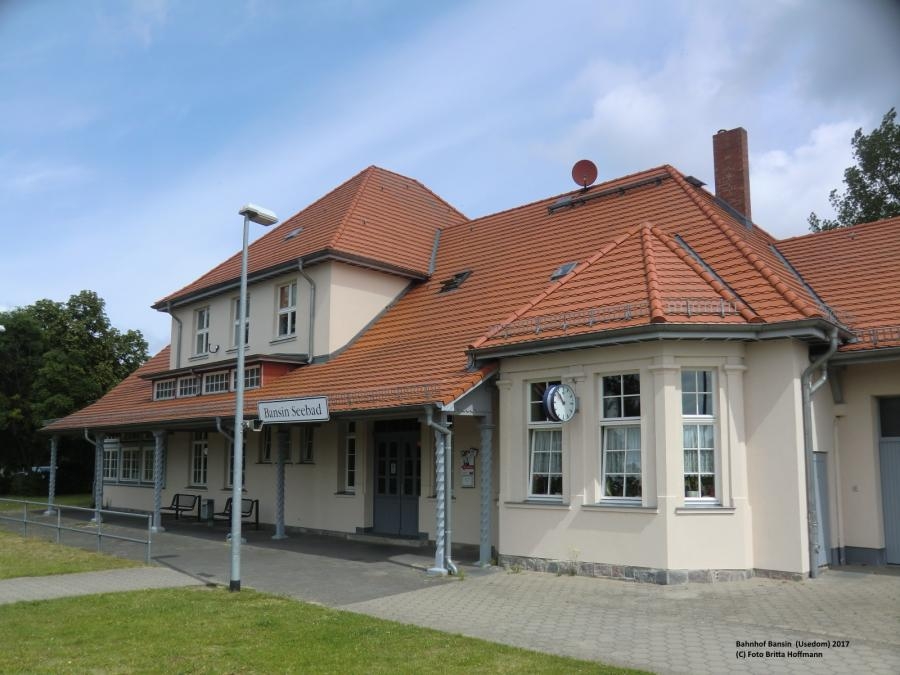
<point>487,489</point>
<point>159,448</point>
<point>98,476</point>
<point>283,442</point>
<point>51,494</point>
<point>440,540</point>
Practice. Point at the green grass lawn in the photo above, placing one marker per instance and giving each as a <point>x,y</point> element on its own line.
<point>83,500</point>
<point>201,630</point>
<point>26,557</point>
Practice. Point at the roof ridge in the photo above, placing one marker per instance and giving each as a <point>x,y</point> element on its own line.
<point>427,189</point>
<point>749,315</point>
<point>657,315</point>
<point>554,287</point>
<point>764,270</point>
<point>350,209</point>
<point>881,222</point>
<point>554,197</point>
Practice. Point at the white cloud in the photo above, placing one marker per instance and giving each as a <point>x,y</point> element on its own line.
<point>786,184</point>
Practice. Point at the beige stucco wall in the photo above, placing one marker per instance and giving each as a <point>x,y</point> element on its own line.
<point>774,428</point>
<point>661,532</point>
<point>355,297</point>
<point>347,298</point>
<point>858,472</point>
<point>314,495</point>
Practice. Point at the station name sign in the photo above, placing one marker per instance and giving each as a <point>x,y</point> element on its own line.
<point>284,411</point>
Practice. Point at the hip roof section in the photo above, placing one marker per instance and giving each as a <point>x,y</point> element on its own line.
<point>378,216</point>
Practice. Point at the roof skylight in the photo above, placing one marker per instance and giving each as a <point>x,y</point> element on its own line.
<point>563,270</point>
<point>455,281</point>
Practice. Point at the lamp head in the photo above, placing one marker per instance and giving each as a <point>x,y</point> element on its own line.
<point>258,215</point>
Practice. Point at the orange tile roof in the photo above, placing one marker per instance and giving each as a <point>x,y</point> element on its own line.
<point>628,242</point>
<point>377,215</point>
<point>854,270</point>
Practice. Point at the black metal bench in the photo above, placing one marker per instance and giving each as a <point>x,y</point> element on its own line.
<point>249,511</point>
<point>183,503</point>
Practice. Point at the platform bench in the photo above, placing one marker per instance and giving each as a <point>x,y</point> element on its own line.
<point>249,511</point>
<point>183,503</point>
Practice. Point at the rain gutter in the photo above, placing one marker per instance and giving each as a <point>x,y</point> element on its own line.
<point>180,331</point>
<point>312,308</point>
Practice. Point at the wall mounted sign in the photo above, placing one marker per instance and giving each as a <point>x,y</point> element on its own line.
<point>292,410</point>
<point>467,478</point>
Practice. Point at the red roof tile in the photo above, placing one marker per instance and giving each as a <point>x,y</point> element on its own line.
<point>854,270</point>
<point>377,215</point>
<point>416,353</point>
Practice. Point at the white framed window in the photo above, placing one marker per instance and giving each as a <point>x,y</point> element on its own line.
<point>131,463</point>
<point>164,389</point>
<point>620,437</point>
<point>188,386</point>
<point>199,458</point>
<point>229,479</point>
<point>201,331</point>
<point>111,449</point>
<point>147,471</point>
<point>306,444</point>
<point>287,309</point>
<point>214,383</point>
<point>545,478</point>
<point>252,378</point>
<point>699,435</point>
<point>350,458</point>
<point>236,314</point>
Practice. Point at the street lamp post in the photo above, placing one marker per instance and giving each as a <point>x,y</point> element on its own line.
<point>264,217</point>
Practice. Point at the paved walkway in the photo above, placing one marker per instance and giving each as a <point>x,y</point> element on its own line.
<point>698,628</point>
<point>88,583</point>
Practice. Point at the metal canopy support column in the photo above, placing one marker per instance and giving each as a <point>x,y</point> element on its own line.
<point>283,444</point>
<point>440,488</point>
<point>51,494</point>
<point>487,488</point>
<point>98,475</point>
<point>160,447</point>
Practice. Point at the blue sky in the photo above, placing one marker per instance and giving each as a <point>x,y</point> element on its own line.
<point>133,131</point>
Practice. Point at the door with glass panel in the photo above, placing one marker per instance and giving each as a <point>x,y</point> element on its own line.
<point>397,478</point>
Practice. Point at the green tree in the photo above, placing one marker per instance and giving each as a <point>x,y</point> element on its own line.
<point>873,185</point>
<point>54,359</point>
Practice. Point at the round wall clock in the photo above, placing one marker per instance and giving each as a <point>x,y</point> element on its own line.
<point>560,402</point>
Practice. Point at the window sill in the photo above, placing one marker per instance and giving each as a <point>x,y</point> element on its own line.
<point>283,338</point>
<point>344,493</point>
<point>621,508</point>
<point>228,488</point>
<point>708,509</point>
<point>558,505</point>
<point>195,487</point>
<point>198,357</point>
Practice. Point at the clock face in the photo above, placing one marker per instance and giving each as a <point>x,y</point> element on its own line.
<point>560,402</point>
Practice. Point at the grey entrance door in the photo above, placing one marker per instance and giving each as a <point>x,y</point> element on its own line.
<point>824,532</point>
<point>397,478</point>
<point>889,446</point>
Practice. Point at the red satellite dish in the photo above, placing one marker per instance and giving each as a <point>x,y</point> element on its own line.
<point>584,172</point>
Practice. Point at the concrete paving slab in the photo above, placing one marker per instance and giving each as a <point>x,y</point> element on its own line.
<point>25,589</point>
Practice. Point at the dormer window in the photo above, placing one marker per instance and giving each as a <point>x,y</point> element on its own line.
<point>287,309</point>
<point>455,281</point>
<point>163,390</point>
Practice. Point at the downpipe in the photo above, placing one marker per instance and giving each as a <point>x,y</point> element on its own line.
<point>443,505</point>
<point>312,307</point>
<point>808,388</point>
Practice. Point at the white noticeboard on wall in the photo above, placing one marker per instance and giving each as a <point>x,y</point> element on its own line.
<point>292,410</point>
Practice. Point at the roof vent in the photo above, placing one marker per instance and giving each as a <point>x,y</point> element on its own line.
<point>293,233</point>
<point>455,281</point>
<point>696,182</point>
<point>563,270</point>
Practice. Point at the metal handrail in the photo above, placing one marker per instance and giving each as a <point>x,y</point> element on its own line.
<point>57,509</point>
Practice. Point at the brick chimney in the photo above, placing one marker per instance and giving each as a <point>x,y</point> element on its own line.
<point>732,169</point>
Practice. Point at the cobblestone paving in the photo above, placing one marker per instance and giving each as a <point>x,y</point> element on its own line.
<point>693,628</point>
